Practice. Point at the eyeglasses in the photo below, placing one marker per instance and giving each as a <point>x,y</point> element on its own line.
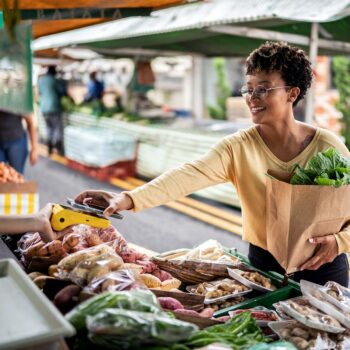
<point>260,91</point>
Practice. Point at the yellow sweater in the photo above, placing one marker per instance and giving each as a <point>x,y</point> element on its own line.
<point>243,159</point>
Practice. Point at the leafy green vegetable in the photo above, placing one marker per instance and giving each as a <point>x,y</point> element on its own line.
<point>328,168</point>
<point>124,329</point>
<point>139,300</point>
<point>241,332</point>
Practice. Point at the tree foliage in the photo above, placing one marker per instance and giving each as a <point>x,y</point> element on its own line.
<point>223,90</point>
<point>341,67</point>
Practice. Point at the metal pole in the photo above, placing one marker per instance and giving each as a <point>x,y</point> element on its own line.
<point>310,98</point>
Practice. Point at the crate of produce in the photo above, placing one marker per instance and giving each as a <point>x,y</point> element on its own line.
<point>17,196</point>
<point>98,147</point>
<point>121,169</point>
<point>267,300</point>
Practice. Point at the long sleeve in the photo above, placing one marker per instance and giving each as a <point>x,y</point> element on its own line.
<point>214,168</point>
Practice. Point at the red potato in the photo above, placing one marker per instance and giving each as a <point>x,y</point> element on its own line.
<point>70,241</point>
<point>34,250</point>
<point>52,248</point>
<point>170,303</point>
<point>93,239</point>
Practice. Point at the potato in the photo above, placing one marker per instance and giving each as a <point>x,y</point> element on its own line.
<point>34,275</point>
<point>40,281</point>
<point>150,281</point>
<point>53,270</point>
<point>97,271</point>
<point>170,284</point>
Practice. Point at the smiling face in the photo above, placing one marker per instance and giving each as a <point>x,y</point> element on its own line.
<point>276,105</point>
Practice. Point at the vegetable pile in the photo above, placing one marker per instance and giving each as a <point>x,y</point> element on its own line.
<point>328,168</point>
<point>8,174</point>
<point>241,332</point>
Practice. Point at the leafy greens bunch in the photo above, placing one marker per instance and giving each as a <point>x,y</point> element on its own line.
<point>328,168</point>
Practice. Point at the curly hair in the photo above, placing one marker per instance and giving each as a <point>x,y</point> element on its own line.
<point>291,62</point>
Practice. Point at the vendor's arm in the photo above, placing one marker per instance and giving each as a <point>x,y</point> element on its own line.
<point>214,168</point>
<point>40,222</point>
<point>33,156</point>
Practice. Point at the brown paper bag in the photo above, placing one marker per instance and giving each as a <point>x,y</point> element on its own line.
<point>295,213</point>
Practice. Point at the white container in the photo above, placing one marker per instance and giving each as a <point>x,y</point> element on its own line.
<point>27,317</point>
<point>97,147</point>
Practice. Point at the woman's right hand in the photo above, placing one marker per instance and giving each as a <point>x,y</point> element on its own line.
<point>113,202</point>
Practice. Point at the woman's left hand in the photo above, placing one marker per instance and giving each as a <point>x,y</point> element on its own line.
<point>33,156</point>
<point>326,253</point>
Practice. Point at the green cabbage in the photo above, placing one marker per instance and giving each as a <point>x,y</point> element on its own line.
<point>328,168</point>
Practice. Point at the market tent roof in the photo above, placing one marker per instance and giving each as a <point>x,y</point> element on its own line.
<point>53,16</point>
<point>217,28</point>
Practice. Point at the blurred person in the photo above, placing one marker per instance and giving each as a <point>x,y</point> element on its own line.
<point>39,222</point>
<point>95,89</point>
<point>277,78</point>
<point>14,140</point>
<point>51,90</point>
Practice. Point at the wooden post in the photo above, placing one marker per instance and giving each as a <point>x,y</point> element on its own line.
<point>198,87</point>
<point>310,98</point>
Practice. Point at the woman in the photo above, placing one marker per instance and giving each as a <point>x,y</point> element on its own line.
<point>14,140</point>
<point>278,77</point>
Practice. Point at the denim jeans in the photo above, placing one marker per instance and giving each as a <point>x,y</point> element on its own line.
<point>15,153</point>
<point>337,270</point>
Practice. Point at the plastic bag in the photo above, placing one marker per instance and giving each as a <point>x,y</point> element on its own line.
<point>115,281</point>
<point>316,297</point>
<point>301,310</point>
<point>138,300</point>
<point>279,345</point>
<point>301,336</point>
<point>86,265</point>
<point>337,295</point>
<point>210,250</point>
<point>123,329</point>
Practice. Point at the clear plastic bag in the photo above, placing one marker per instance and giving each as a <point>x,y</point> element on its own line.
<point>115,281</point>
<point>210,250</point>
<point>301,310</point>
<point>124,329</point>
<point>88,264</point>
<point>337,295</point>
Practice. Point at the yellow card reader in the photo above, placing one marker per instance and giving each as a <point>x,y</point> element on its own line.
<point>63,217</point>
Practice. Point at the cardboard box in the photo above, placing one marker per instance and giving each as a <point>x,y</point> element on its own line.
<point>22,198</point>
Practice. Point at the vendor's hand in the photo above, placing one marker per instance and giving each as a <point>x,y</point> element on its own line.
<point>113,202</point>
<point>33,156</point>
<point>326,253</point>
<point>44,225</point>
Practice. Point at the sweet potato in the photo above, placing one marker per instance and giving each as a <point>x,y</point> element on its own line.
<point>169,303</point>
<point>187,312</point>
<point>207,312</point>
<point>34,275</point>
<point>66,294</point>
<point>162,275</point>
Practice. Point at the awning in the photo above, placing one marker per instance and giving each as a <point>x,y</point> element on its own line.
<point>227,28</point>
<point>53,16</point>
